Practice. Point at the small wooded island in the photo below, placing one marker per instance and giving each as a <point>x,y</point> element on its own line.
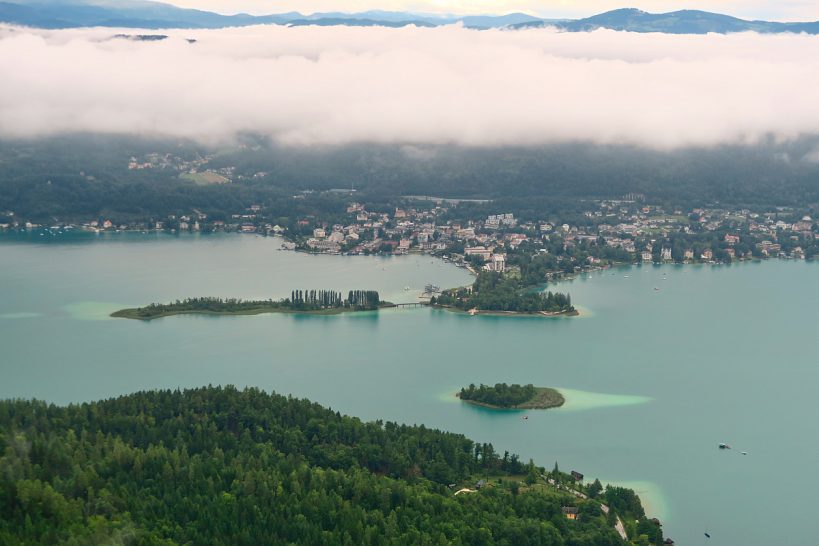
<point>493,293</point>
<point>323,302</point>
<point>503,396</point>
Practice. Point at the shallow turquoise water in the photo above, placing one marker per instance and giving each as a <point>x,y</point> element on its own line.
<point>655,379</point>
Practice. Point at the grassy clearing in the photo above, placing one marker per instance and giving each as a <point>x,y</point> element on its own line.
<point>205,178</point>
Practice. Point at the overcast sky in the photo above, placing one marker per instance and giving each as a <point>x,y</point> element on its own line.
<point>337,85</point>
<point>793,10</point>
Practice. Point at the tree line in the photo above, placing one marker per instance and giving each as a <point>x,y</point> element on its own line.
<point>493,291</point>
<point>329,299</point>
<point>318,299</point>
<point>300,300</point>
<point>501,394</point>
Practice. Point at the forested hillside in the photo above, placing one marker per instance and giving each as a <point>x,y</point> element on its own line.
<point>79,177</point>
<point>223,466</point>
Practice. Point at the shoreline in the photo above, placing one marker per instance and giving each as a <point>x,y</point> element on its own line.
<point>130,313</point>
<point>490,313</point>
<point>545,398</point>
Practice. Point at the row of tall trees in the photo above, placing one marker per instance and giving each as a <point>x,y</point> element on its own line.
<point>363,299</point>
<point>316,299</point>
<point>329,299</point>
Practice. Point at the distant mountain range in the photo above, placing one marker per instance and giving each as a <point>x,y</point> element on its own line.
<point>675,22</point>
<point>154,15</point>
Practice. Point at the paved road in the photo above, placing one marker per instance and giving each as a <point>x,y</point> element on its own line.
<point>464,490</point>
<point>618,526</point>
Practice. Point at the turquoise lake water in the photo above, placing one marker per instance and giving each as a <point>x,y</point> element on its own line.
<point>654,379</point>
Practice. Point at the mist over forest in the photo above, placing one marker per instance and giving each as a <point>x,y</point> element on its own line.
<point>543,117</point>
<point>74,176</point>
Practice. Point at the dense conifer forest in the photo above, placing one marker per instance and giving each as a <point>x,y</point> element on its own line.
<point>222,466</point>
<point>501,394</point>
<point>516,396</point>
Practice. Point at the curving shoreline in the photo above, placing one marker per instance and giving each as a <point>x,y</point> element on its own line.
<point>490,313</point>
<point>133,312</point>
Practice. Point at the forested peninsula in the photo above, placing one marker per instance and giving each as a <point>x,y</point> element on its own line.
<point>325,302</point>
<point>223,466</point>
<point>503,396</point>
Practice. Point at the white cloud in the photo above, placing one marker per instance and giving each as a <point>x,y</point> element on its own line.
<point>335,85</point>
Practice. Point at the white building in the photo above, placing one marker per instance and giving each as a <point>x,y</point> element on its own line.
<point>481,251</point>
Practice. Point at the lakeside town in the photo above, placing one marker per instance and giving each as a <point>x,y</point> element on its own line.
<point>610,231</point>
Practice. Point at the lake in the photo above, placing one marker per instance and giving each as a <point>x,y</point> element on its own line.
<point>663,364</point>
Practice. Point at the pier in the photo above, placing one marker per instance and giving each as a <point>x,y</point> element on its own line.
<point>410,305</point>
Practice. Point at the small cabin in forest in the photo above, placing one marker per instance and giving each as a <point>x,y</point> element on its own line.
<point>570,512</point>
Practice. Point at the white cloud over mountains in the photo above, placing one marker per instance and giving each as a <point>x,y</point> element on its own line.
<point>336,85</point>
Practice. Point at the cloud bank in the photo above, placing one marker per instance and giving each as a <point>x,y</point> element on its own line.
<point>338,85</point>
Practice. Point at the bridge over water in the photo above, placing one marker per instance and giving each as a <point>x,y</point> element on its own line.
<point>410,305</point>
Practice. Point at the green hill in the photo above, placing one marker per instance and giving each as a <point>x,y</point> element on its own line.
<point>223,466</point>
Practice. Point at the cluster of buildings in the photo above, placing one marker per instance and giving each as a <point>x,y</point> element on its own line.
<point>167,161</point>
<point>629,229</point>
<point>647,233</point>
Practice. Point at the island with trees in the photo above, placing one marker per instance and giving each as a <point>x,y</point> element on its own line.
<point>219,465</point>
<point>503,396</point>
<point>495,293</point>
<point>325,302</point>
